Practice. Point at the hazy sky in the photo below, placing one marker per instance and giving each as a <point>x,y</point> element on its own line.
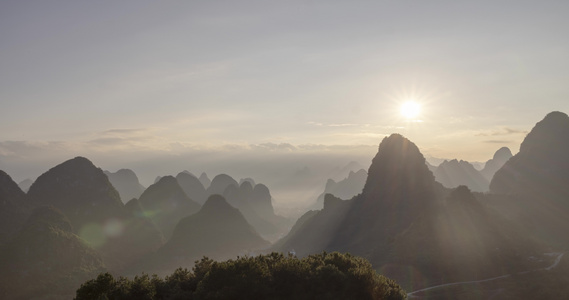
<point>127,81</point>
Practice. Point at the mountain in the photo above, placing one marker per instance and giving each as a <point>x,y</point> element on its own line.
<point>431,167</point>
<point>262,201</point>
<point>166,203</point>
<point>132,237</point>
<point>218,231</point>
<point>495,163</point>
<point>206,182</point>
<point>454,173</point>
<point>189,173</point>
<point>250,180</point>
<point>399,187</point>
<point>533,183</point>
<point>84,194</point>
<point>241,198</point>
<point>46,258</point>
<point>192,187</point>
<point>344,189</point>
<point>542,164</point>
<point>463,240</point>
<point>220,183</point>
<point>80,190</point>
<point>404,220</point>
<point>25,185</point>
<point>14,207</point>
<point>340,173</point>
<point>126,183</point>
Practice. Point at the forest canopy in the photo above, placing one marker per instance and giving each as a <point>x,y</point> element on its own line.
<point>271,276</point>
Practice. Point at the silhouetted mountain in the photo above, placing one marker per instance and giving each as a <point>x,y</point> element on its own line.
<point>206,182</point>
<point>343,172</point>
<point>25,185</point>
<point>431,167</point>
<point>87,198</point>
<point>46,258</point>
<point>250,180</point>
<point>401,221</point>
<point>399,188</point>
<point>495,163</point>
<point>80,190</point>
<point>14,207</point>
<point>344,189</point>
<point>218,231</point>
<point>241,198</point>
<point>126,183</point>
<point>220,183</point>
<point>461,241</point>
<point>189,173</point>
<point>542,164</point>
<point>261,201</point>
<point>166,203</point>
<point>135,236</point>
<point>535,181</point>
<point>454,173</point>
<point>192,187</point>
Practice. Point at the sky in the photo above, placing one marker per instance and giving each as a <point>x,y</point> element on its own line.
<point>162,86</point>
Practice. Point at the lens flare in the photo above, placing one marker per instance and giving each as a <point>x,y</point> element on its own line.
<point>93,234</point>
<point>113,228</point>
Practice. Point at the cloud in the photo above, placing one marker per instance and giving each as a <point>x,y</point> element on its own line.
<point>27,149</point>
<point>338,124</point>
<point>498,141</point>
<point>124,131</point>
<point>502,132</point>
<point>273,147</point>
<point>126,139</point>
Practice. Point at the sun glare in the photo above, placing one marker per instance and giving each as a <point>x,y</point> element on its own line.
<point>410,109</point>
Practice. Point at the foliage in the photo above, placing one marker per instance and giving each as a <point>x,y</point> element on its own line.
<point>271,276</point>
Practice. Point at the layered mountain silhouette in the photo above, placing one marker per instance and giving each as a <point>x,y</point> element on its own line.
<point>256,206</point>
<point>404,219</point>
<point>345,188</point>
<point>80,190</point>
<point>192,187</point>
<point>220,183</point>
<point>126,183</point>
<point>84,194</point>
<point>452,173</point>
<point>217,231</point>
<point>533,184</point>
<point>206,182</point>
<point>496,162</point>
<point>46,257</point>
<point>25,185</point>
<point>166,203</point>
<point>14,207</point>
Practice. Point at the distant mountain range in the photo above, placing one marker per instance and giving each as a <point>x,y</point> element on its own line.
<point>344,189</point>
<point>126,183</point>
<point>218,231</point>
<point>420,224</point>
<point>453,173</point>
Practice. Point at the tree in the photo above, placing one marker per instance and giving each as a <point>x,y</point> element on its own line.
<point>272,276</point>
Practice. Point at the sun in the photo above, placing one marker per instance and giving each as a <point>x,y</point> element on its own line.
<point>410,109</point>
